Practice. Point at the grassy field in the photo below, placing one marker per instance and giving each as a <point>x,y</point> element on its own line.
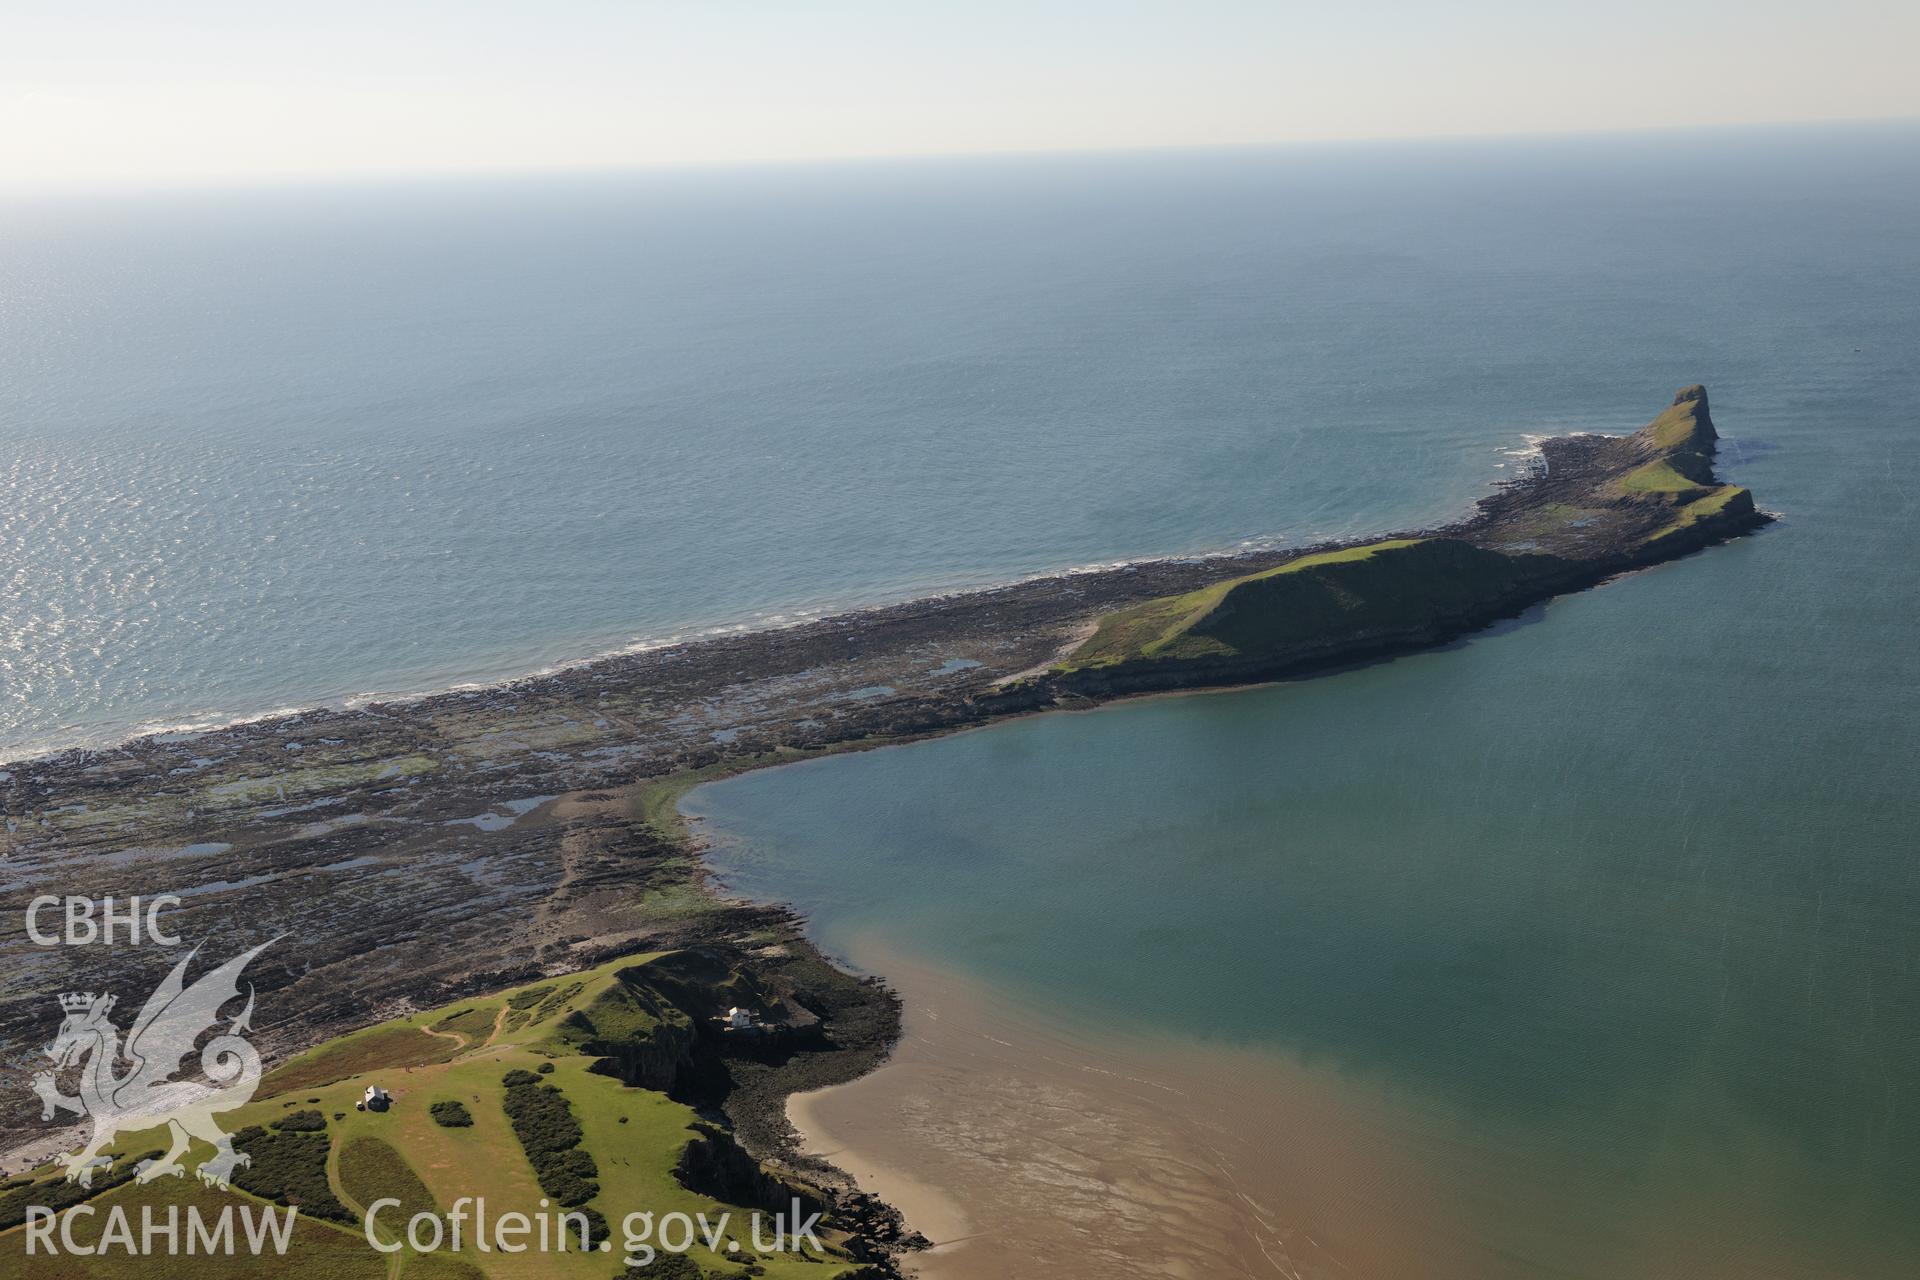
<point>1659,477</point>
<point>461,1053</point>
<point>474,1023</point>
<point>389,1045</point>
<point>369,1169</point>
<point>1169,627</point>
<point>1317,598</point>
<point>1712,503</point>
<point>317,1249</point>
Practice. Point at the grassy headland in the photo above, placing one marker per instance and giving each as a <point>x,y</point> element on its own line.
<point>1603,505</point>
<point>1332,597</point>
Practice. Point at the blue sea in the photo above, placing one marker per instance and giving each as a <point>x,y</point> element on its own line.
<point>1631,886</point>
<point>271,448</point>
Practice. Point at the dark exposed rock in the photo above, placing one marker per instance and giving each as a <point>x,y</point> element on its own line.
<point>713,1164</point>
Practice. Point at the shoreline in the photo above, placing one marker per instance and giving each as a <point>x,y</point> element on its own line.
<point>1033,1141</point>
<point>137,734</point>
<point>1549,459</point>
<point>1017,1139</point>
<point>417,852</point>
<point>927,1210</point>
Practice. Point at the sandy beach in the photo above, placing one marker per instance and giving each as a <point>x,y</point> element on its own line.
<point>1024,1144</point>
<point>1013,1141</point>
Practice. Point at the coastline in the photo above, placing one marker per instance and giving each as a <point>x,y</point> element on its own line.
<point>933,1214</point>
<point>1030,1141</point>
<point>133,734</point>
<point>1016,1138</point>
<point>1103,579</point>
<point>417,852</point>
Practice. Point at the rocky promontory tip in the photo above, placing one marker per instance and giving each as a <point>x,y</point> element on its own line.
<point>1601,505</point>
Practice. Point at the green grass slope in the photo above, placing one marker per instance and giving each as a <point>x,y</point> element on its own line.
<point>1679,447</point>
<point>562,1030</point>
<point>1328,599</point>
<point>1705,504</point>
<point>1686,426</point>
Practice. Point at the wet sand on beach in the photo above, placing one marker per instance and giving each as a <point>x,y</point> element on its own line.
<point>1014,1143</point>
<point>1023,1143</point>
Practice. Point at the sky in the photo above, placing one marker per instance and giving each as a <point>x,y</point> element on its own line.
<point>132,92</point>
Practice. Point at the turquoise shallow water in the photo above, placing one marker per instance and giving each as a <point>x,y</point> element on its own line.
<point>1631,885</point>
<point>272,448</point>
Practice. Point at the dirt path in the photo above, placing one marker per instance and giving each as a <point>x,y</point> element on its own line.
<point>394,1260</point>
<point>454,1036</point>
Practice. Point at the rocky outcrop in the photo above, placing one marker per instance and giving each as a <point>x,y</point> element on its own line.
<point>713,1164</point>
<point>661,1025</point>
<point>660,1060</point>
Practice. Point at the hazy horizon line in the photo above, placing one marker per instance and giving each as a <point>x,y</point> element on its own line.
<point>212,182</point>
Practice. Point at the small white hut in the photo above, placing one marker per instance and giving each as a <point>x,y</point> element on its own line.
<point>377,1099</point>
<point>739,1019</point>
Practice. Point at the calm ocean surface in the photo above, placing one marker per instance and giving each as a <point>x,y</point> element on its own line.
<point>262,449</point>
